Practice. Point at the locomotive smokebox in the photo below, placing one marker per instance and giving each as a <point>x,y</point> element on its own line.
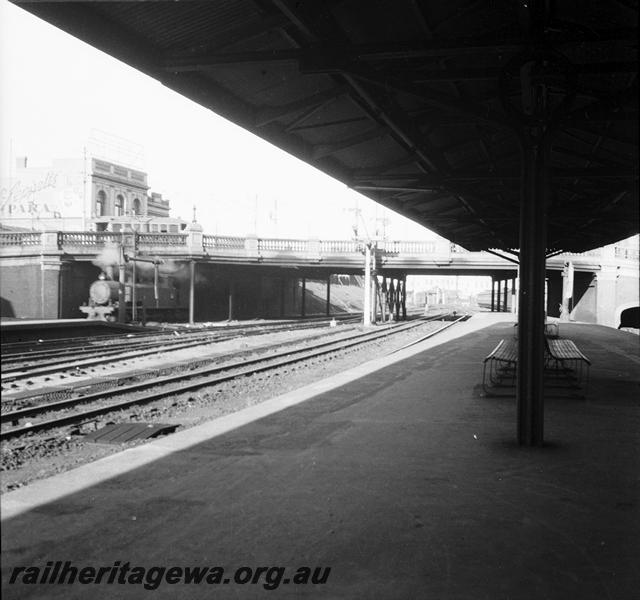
<point>103,291</point>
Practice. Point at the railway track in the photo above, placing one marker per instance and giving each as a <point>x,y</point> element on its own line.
<point>144,392</point>
<point>26,365</point>
<point>70,386</point>
<point>28,348</point>
<point>23,350</point>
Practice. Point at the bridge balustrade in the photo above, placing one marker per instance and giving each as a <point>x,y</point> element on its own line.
<point>161,239</point>
<point>340,246</point>
<point>222,242</point>
<point>20,238</point>
<point>597,252</point>
<point>404,247</point>
<point>87,238</point>
<point>282,245</point>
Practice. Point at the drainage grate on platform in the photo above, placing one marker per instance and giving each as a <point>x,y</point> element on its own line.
<point>126,432</point>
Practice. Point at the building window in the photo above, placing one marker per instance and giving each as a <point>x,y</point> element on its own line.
<point>101,202</point>
<point>173,229</point>
<point>154,228</point>
<point>119,206</point>
<point>136,206</point>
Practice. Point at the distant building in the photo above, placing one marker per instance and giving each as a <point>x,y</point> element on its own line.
<point>79,195</point>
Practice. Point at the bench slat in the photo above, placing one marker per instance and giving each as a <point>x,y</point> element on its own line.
<point>565,350</point>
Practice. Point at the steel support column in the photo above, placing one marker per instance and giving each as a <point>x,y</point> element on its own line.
<point>192,288</point>
<point>533,221</point>
<point>385,299</point>
<point>505,304</point>
<point>303,299</point>
<point>493,294</point>
<point>122,308</point>
<point>366,309</point>
<point>374,297</point>
<point>404,297</point>
<point>390,298</point>
<point>328,295</point>
<point>232,290</point>
<point>134,296</point>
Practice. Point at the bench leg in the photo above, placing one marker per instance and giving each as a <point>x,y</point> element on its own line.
<point>494,374</point>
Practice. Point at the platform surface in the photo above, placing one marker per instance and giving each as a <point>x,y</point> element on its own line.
<point>406,482</point>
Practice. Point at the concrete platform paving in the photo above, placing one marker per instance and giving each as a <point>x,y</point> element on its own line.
<point>406,482</point>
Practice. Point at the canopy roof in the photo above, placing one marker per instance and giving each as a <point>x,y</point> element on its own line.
<point>417,104</point>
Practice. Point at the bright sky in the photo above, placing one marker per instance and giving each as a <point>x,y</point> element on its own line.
<point>56,90</point>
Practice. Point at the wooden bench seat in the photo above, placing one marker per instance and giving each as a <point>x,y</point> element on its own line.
<point>565,356</point>
<point>562,357</point>
<point>499,363</point>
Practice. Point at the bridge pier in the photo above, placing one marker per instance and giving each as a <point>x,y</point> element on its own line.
<point>606,281</point>
<point>231,299</point>
<point>50,288</point>
<point>282,296</point>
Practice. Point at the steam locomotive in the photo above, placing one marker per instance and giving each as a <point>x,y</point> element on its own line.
<point>155,301</point>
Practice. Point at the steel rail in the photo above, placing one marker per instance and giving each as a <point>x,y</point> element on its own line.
<point>430,334</point>
<point>245,369</point>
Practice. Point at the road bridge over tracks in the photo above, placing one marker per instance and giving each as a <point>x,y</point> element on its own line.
<point>605,279</point>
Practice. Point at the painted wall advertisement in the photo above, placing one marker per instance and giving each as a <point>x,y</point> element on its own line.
<point>45,198</point>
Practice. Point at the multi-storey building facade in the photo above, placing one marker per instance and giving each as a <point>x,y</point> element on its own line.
<point>121,199</point>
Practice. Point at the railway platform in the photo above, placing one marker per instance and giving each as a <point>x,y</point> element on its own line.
<point>402,476</point>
